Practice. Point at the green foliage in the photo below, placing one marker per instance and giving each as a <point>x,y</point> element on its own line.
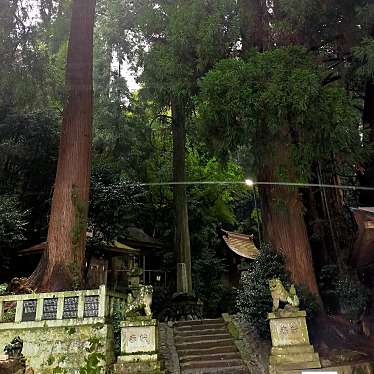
<point>253,298</point>
<point>114,203</point>
<point>116,318</point>
<point>3,288</point>
<point>342,292</point>
<point>9,315</point>
<point>94,360</point>
<point>277,97</point>
<point>28,152</point>
<point>12,223</point>
<point>364,57</point>
<point>207,273</point>
<point>184,39</point>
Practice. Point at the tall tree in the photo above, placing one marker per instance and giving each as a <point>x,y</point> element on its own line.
<point>254,24</point>
<point>272,100</point>
<point>284,228</point>
<point>184,39</point>
<point>62,265</point>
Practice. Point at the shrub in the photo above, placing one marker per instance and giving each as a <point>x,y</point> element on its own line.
<point>12,222</point>
<point>352,295</point>
<point>253,298</point>
<point>342,292</point>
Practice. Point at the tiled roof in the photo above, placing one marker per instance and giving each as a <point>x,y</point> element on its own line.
<point>241,244</point>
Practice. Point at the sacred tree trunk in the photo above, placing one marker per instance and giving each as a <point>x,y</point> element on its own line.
<point>367,178</point>
<point>283,219</point>
<point>182,233</point>
<point>62,265</point>
<point>254,24</point>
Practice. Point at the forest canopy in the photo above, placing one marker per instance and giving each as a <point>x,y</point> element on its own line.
<point>279,92</point>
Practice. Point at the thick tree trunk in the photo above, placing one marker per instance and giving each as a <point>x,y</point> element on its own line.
<point>62,266</point>
<point>254,24</point>
<point>283,219</point>
<point>367,178</point>
<point>182,233</point>
<point>369,111</point>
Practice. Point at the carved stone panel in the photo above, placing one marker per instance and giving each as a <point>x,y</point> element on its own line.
<point>289,331</point>
<point>29,310</point>
<point>139,338</point>
<point>70,308</point>
<point>49,309</point>
<point>91,306</point>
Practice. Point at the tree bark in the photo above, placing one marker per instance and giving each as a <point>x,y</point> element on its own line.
<point>62,265</point>
<point>283,219</point>
<point>182,233</point>
<point>254,24</point>
<point>282,208</point>
<point>367,177</point>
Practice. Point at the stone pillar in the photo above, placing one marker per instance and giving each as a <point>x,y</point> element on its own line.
<point>290,340</point>
<point>139,346</point>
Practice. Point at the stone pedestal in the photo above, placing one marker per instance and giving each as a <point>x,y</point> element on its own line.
<point>290,339</point>
<point>10,365</point>
<point>139,346</point>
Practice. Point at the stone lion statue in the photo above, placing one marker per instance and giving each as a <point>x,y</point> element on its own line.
<point>142,302</point>
<point>14,349</point>
<point>280,294</point>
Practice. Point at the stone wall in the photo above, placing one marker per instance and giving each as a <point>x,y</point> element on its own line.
<point>64,344</point>
<point>64,330</point>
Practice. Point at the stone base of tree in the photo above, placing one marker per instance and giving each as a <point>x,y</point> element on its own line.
<point>290,339</point>
<point>183,307</point>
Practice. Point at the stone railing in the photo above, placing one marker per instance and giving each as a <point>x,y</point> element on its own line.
<point>58,306</point>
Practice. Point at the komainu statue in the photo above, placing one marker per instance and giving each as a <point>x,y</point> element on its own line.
<point>142,302</point>
<point>280,294</point>
<point>14,349</point>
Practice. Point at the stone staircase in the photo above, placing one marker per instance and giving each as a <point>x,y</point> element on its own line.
<point>206,346</point>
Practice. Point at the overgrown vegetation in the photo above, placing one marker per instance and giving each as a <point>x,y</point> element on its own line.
<point>343,293</point>
<point>288,105</point>
<point>253,298</point>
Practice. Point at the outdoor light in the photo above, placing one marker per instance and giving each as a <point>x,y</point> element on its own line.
<point>158,278</point>
<point>249,182</point>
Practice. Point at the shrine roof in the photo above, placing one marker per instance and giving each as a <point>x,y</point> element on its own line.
<point>241,244</point>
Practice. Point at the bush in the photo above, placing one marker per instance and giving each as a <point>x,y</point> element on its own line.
<point>253,299</point>
<point>12,222</point>
<point>353,297</point>
<point>342,292</point>
<point>207,280</point>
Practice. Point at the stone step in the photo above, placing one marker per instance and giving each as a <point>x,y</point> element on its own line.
<point>207,351</point>
<point>201,331</point>
<point>205,344</point>
<point>200,327</point>
<point>231,370</point>
<point>210,357</point>
<point>295,358</point>
<point>285,368</point>
<point>211,364</point>
<point>198,322</point>
<point>125,368</point>
<point>202,338</point>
